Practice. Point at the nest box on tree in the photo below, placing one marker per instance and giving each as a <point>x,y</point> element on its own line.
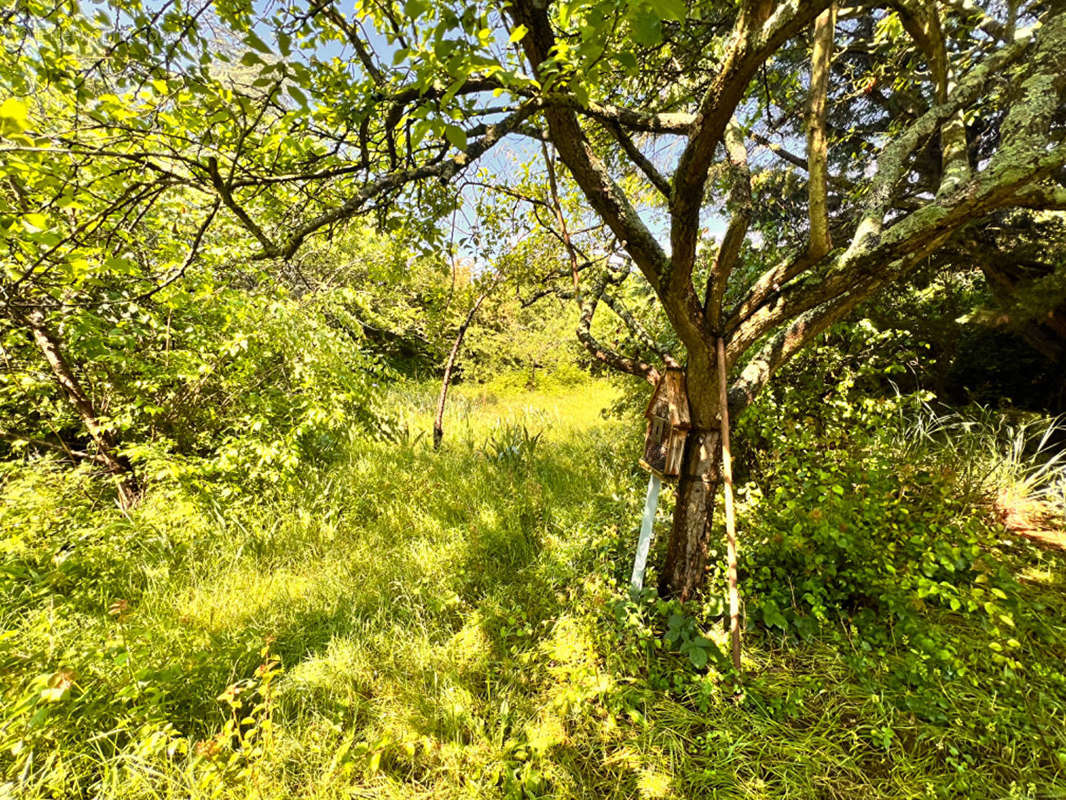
<point>668,425</point>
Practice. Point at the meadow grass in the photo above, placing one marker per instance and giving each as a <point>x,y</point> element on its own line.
<point>404,623</point>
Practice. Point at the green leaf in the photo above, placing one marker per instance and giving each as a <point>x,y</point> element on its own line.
<point>647,29</point>
<point>415,8</point>
<point>35,223</point>
<point>698,656</point>
<point>256,43</point>
<point>627,60</point>
<point>456,136</point>
<point>670,9</point>
<point>297,95</point>
<point>518,34</point>
<point>772,615</point>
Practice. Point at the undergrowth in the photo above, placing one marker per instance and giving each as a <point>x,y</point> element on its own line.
<point>401,623</point>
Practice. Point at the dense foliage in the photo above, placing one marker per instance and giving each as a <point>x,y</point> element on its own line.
<point>250,546</point>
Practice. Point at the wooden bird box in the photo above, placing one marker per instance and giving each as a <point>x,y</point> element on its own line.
<point>668,425</point>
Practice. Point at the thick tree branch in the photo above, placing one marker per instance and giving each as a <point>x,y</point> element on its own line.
<point>740,203</point>
<point>817,149</point>
<point>643,163</point>
<point>756,35</point>
<point>631,366</point>
<point>678,123</point>
<point>603,194</point>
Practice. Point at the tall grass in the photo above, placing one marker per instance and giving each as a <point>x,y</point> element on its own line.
<point>411,624</point>
<point>1021,457</point>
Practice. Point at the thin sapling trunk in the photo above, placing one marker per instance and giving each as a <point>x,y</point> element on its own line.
<point>449,367</point>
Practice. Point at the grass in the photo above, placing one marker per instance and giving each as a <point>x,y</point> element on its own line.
<point>410,624</point>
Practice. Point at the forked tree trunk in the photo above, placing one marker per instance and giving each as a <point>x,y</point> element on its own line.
<point>106,446</point>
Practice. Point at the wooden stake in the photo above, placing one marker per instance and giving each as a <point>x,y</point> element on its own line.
<point>730,519</point>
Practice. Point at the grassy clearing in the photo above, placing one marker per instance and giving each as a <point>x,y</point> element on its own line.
<point>406,624</point>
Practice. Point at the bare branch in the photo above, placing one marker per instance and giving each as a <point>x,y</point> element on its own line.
<point>190,257</point>
<point>631,366</point>
<point>638,330</point>
<point>443,170</point>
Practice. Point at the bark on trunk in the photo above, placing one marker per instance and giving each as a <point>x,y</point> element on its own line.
<point>730,518</point>
<point>683,571</point>
<point>106,446</point>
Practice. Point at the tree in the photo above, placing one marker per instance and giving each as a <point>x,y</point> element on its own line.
<point>921,118</point>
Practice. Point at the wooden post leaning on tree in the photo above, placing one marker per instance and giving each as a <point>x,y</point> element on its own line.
<point>730,518</point>
<point>817,158</point>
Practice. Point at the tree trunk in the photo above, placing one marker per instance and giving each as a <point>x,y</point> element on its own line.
<point>682,574</point>
<point>104,439</point>
<point>683,570</point>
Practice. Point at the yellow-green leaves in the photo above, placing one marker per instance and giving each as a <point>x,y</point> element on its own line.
<point>14,117</point>
<point>34,223</point>
<point>256,43</point>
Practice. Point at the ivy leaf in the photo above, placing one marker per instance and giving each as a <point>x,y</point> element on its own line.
<point>698,656</point>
